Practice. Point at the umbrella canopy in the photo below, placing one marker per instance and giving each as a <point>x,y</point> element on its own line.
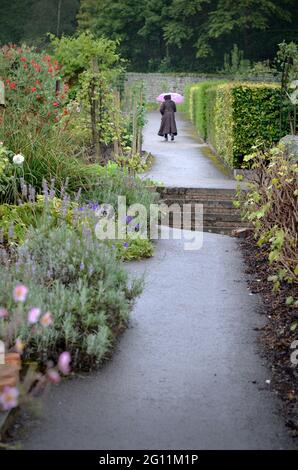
<point>174,96</point>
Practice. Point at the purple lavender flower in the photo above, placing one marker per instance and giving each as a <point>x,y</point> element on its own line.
<point>78,195</point>
<point>126,245</point>
<point>45,190</point>
<point>24,188</point>
<point>11,232</point>
<point>31,194</point>
<point>52,190</point>
<point>129,218</point>
<point>93,206</point>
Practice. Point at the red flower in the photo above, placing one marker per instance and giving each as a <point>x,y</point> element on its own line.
<point>13,86</point>
<point>55,104</point>
<point>50,70</point>
<point>37,82</point>
<point>7,81</point>
<point>33,89</point>
<point>23,59</point>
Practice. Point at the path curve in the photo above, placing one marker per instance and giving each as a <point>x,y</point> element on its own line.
<point>187,374</point>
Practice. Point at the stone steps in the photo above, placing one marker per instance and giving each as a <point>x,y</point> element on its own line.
<point>219,213</point>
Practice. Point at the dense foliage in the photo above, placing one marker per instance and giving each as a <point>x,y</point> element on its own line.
<point>30,20</point>
<point>37,121</point>
<point>193,35</point>
<point>270,206</point>
<point>79,280</point>
<point>233,116</point>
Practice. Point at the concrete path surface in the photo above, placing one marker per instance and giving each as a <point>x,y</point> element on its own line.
<point>185,375</point>
<point>186,162</point>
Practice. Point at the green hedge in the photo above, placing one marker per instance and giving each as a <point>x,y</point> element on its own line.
<point>233,116</point>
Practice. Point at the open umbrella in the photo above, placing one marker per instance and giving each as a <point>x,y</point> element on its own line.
<point>174,96</point>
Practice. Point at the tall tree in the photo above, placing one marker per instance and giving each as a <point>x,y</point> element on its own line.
<point>192,35</point>
<point>230,18</point>
<point>31,20</point>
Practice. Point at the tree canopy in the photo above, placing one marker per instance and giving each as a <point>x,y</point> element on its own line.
<point>31,20</point>
<point>192,35</point>
<point>159,35</point>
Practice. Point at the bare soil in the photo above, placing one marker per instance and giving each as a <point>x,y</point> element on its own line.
<point>279,332</point>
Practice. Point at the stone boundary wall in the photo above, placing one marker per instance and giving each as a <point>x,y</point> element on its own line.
<point>156,83</point>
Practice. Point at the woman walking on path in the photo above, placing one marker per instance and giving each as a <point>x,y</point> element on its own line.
<point>168,123</point>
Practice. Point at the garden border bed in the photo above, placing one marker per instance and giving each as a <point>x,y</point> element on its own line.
<point>276,336</point>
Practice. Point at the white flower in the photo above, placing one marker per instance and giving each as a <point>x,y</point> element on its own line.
<point>18,159</point>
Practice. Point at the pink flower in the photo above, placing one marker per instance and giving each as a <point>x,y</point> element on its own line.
<point>53,376</point>
<point>20,293</point>
<point>33,315</point>
<point>63,362</point>
<point>9,398</point>
<point>3,312</point>
<point>46,319</point>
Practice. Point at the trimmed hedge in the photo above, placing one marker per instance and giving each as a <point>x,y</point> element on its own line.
<point>233,116</point>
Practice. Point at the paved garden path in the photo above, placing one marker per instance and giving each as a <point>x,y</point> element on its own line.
<point>187,374</point>
<point>187,161</point>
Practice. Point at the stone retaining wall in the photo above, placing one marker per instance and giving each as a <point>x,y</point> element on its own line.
<point>156,83</point>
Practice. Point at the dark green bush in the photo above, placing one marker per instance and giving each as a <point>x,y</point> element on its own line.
<point>233,116</point>
<point>200,102</point>
<point>256,114</point>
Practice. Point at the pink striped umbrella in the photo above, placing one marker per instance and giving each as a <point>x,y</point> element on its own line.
<point>174,96</point>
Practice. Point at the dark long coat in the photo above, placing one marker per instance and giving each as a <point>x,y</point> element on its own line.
<point>168,123</point>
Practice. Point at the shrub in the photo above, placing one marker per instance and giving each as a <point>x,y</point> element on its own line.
<point>199,102</point>
<point>232,116</point>
<point>270,205</point>
<point>80,281</point>
<point>36,120</point>
<point>114,182</point>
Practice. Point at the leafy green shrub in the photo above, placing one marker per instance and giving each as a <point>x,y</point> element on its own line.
<point>270,205</point>
<point>80,281</point>
<point>211,94</point>
<point>114,182</point>
<point>15,220</point>
<point>219,121</point>
<point>232,116</point>
<point>256,113</point>
<point>200,101</point>
<point>36,122</point>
